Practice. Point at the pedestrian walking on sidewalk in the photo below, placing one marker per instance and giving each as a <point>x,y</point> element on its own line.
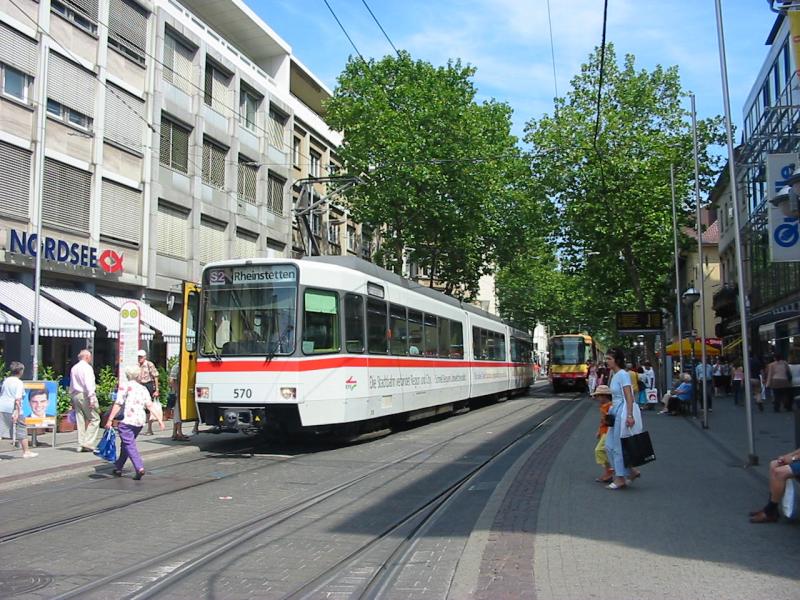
<point>148,377</point>
<point>174,403</point>
<point>757,382</point>
<point>738,381</point>
<point>592,379</point>
<point>627,418</point>
<point>12,425</point>
<point>779,381</point>
<point>134,399</point>
<point>82,388</point>
<point>781,470</point>
<point>603,395</point>
<point>705,372</point>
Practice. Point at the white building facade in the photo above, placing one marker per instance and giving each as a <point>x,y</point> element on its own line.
<point>159,136</point>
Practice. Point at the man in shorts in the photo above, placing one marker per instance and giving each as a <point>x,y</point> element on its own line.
<point>781,470</point>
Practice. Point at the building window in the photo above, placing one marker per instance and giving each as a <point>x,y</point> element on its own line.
<point>127,29</point>
<point>316,224</point>
<point>172,227</point>
<point>125,118</point>
<point>15,183</point>
<point>333,168</point>
<point>248,109</point>
<point>213,245</point>
<point>214,164</point>
<point>120,212</point>
<point>174,152</point>
<point>248,176</point>
<point>15,83</point>
<point>277,124</point>
<point>314,166</point>
<point>81,13</point>
<point>333,232</point>
<point>215,92</point>
<point>275,195</point>
<point>67,115</point>
<point>296,152</point>
<point>352,239</point>
<point>366,246</point>
<point>178,58</point>
<point>66,195</point>
<point>246,243</point>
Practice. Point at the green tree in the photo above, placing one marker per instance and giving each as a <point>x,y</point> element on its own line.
<point>608,180</point>
<point>436,165</point>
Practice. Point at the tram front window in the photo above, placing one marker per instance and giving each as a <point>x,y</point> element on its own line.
<point>251,319</point>
<point>568,351</point>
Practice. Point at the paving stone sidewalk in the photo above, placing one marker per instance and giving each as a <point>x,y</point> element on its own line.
<point>680,531</point>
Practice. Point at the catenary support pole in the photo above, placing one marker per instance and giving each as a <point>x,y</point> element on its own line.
<point>752,457</point>
<point>701,269</point>
<point>677,268</point>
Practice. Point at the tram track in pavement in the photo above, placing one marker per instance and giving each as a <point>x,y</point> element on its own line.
<point>7,537</point>
<point>191,556</point>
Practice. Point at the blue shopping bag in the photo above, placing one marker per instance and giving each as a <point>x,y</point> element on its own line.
<point>107,448</point>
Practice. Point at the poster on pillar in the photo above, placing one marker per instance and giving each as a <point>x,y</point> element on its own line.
<point>129,336</point>
<point>782,217</point>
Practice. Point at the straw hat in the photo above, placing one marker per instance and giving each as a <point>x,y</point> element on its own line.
<point>602,390</point>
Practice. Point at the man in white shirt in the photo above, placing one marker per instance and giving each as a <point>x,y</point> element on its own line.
<point>11,408</point>
<point>705,371</point>
<point>82,388</point>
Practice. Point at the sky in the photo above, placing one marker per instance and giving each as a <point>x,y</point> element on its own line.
<point>508,41</point>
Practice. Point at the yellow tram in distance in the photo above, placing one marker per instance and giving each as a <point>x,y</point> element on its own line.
<point>569,356</point>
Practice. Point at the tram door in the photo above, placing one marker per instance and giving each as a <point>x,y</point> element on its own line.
<point>188,356</point>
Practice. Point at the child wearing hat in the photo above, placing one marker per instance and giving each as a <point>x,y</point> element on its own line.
<point>603,394</point>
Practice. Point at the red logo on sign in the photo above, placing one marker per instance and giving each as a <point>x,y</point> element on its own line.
<point>110,261</point>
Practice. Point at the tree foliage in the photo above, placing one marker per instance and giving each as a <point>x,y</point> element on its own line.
<point>437,166</point>
<point>608,186</point>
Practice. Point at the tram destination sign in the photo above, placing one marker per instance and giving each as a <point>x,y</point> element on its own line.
<point>642,321</point>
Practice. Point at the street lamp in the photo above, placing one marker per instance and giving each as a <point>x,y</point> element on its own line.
<point>690,298</point>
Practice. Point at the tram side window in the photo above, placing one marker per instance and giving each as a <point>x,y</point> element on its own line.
<point>399,330</point>
<point>456,340</point>
<point>414,332</point>
<point>376,327</point>
<point>477,344</point>
<point>321,322</point>
<point>444,337</point>
<point>431,342</point>
<point>515,350</point>
<point>500,346</point>
<point>354,323</point>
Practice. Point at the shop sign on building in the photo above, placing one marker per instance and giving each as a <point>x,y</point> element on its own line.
<point>783,229</point>
<point>129,330</point>
<point>65,252</point>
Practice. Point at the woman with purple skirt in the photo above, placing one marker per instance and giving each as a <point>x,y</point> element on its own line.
<point>134,399</point>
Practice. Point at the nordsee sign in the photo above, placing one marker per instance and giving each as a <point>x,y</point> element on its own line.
<point>62,251</point>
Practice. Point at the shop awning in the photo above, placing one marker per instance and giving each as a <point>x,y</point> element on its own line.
<point>54,321</point>
<point>93,308</point>
<point>9,323</point>
<point>169,328</point>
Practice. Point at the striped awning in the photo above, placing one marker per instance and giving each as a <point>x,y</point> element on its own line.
<point>9,323</point>
<point>54,321</point>
<point>93,308</point>
<point>170,329</point>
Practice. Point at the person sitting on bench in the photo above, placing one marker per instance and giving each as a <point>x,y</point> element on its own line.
<point>781,470</point>
<point>674,398</point>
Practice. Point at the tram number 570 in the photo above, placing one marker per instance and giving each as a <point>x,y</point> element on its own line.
<point>242,393</point>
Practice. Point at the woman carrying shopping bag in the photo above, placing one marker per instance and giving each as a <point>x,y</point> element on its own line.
<point>135,398</point>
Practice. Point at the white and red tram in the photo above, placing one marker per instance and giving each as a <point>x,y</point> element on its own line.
<point>337,341</point>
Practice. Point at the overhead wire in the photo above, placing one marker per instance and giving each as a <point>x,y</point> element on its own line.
<point>552,50</point>
<point>347,35</point>
<point>378,23</point>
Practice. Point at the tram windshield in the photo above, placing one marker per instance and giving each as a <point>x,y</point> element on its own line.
<point>249,310</point>
<point>568,351</point>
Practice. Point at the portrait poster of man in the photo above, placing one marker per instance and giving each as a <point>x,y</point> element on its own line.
<point>39,403</point>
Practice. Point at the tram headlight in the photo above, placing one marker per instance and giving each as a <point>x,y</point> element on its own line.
<point>203,393</point>
<point>289,393</point>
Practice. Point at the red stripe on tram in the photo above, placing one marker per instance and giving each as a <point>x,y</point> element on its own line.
<point>337,362</point>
